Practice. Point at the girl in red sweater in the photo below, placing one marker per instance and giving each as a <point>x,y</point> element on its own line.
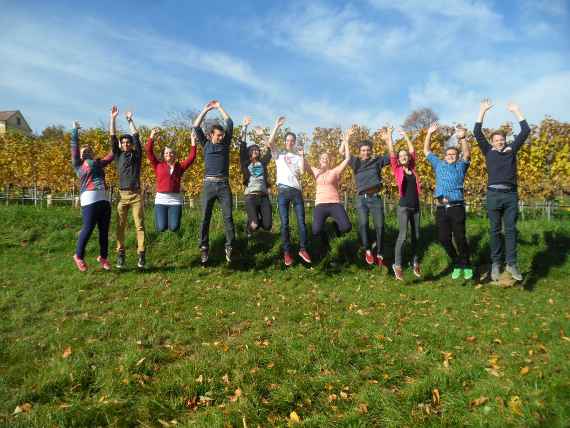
<point>168,201</point>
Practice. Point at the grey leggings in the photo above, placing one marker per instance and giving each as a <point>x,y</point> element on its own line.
<point>405,216</point>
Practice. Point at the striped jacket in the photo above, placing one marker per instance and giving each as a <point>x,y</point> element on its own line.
<point>91,172</point>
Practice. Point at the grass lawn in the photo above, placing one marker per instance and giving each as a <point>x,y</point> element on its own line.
<point>255,344</point>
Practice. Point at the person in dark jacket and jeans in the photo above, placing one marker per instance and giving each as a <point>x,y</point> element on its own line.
<point>216,180</point>
<point>255,179</point>
<point>128,156</point>
<point>502,197</point>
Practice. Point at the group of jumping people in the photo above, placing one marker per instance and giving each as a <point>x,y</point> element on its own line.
<point>127,152</point>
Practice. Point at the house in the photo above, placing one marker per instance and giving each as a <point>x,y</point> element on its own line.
<point>13,121</point>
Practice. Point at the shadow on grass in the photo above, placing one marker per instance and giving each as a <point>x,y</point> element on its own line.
<point>555,254</point>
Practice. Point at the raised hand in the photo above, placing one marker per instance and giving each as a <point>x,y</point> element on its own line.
<point>485,105</point>
<point>512,107</point>
<point>247,121</point>
<point>214,104</point>
<point>258,131</point>
<point>129,116</point>
<point>76,125</point>
<point>382,134</point>
<point>280,121</point>
<point>460,132</point>
<point>154,133</point>
<point>114,112</point>
<point>402,133</point>
<point>433,127</point>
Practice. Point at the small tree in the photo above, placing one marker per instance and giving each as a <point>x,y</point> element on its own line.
<point>420,119</point>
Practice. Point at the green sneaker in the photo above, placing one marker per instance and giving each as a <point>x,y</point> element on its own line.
<point>456,273</point>
<point>468,273</point>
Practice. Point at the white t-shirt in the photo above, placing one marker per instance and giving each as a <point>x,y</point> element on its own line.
<point>168,198</point>
<point>288,167</point>
<point>89,197</point>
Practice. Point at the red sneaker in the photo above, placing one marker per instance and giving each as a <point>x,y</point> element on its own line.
<point>379,260</point>
<point>305,255</point>
<point>368,257</point>
<point>417,270</point>
<point>287,258</point>
<point>398,273</point>
<point>104,263</point>
<point>80,263</point>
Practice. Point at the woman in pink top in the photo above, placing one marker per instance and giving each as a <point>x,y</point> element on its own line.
<point>327,200</point>
<point>404,169</point>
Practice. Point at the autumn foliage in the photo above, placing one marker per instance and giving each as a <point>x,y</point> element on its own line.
<point>44,161</point>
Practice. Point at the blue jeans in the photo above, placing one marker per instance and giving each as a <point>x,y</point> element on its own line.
<point>212,191</point>
<point>286,196</point>
<point>96,214</point>
<point>167,217</point>
<point>503,209</point>
<point>371,205</point>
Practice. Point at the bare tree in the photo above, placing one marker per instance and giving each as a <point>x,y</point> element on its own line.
<point>419,119</point>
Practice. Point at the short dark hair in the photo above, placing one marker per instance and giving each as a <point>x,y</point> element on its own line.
<point>216,127</point>
<point>251,148</point>
<point>292,134</point>
<point>126,137</point>
<point>498,132</point>
<point>365,143</point>
<point>452,148</point>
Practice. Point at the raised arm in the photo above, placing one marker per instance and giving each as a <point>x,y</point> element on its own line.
<point>411,148</point>
<point>303,164</point>
<point>197,125</point>
<point>344,147</point>
<point>525,129</point>
<point>134,131</point>
<point>185,164</point>
<point>271,142</point>
<point>461,134</point>
<point>432,128</point>
<point>113,130</point>
<point>149,148</point>
<point>75,157</point>
<point>386,136</point>
<point>243,158</point>
<point>484,107</point>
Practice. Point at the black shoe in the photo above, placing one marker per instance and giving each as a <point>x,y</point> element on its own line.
<point>203,255</point>
<point>142,260</point>
<point>229,254</point>
<point>120,259</point>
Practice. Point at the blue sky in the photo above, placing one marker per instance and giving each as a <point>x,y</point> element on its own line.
<point>322,63</point>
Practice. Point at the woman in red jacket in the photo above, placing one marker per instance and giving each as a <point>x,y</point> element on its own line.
<point>168,201</point>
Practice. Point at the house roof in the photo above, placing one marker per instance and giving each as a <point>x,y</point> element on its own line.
<point>5,115</point>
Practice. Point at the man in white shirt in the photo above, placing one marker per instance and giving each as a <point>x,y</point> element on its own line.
<point>290,167</point>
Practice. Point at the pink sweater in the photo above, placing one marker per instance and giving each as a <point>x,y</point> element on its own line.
<point>398,171</point>
<point>327,185</point>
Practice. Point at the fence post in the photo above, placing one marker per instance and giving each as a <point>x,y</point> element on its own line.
<point>548,209</point>
<point>49,200</point>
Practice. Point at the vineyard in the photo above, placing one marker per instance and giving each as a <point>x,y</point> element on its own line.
<point>43,162</point>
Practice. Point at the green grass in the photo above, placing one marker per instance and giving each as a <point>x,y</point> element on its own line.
<point>340,343</point>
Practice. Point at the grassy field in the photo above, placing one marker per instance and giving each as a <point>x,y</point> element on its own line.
<point>255,344</point>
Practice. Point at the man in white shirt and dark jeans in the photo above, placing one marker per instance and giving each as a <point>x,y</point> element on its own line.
<point>290,167</point>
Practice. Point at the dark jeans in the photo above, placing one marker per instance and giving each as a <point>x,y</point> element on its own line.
<point>167,217</point>
<point>371,205</point>
<point>258,208</point>
<point>451,227</point>
<point>502,209</point>
<point>334,210</point>
<point>96,214</point>
<point>286,196</point>
<point>212,191</point>
<point>405,216</point>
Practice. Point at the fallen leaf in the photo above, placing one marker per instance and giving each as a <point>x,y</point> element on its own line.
<point>200,379</point>
<point>332,397</point>
<point>236,396</point>
<point>294,418</point>
<point>478,401</point>
<point>435,398</point>
<point>163,423</point>
<point>226,379</point>
<point>362,408</point>
<point>139,362</point>
<point>524,371</point>
<point>343,395</point>
<point>471,339</point>
<point>498,341</point>
<point>66,352</point>
<point>515,404</point>
<point>23,408</point>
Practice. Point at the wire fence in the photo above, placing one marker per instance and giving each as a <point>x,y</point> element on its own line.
<point>548,209</point>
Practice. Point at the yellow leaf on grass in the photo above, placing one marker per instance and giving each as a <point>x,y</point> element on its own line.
<point>332,397</point>
<point>236,396</point>
<point>294,418</point>
<point>515,404</point>
<point>226,379</point>
<point>524,371</point>
<point>66,352</point>
<point>362,408</point>
<point>470,339</point>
